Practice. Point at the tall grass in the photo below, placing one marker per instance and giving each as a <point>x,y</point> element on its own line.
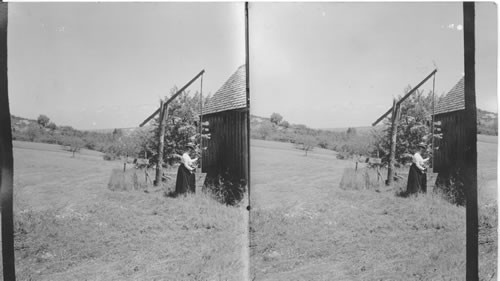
<point>364,178</point>
<point>127,180</point>
<point>70,226</point>
<point>186,238</point>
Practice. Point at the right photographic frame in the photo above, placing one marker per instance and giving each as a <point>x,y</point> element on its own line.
<point>373,141</point>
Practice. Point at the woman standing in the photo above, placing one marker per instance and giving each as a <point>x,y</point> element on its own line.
<point>185,174</point>
<point>417,178</point>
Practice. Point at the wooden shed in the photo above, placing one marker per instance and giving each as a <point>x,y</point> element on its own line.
<point>449,152</point>
<point>227,113</point>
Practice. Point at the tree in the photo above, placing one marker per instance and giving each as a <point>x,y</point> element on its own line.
<point>73,144</point>
<point>117,134</point>
<point>33,132</point>
<point>276,118</point>
<point>285,124</point>
<point>264,130</point>
<point>52,126</point>
<point>351,132</point>
<point>181,128</point>
<point>305,142</point>
<point>43,120</point>
<point>414,127</point>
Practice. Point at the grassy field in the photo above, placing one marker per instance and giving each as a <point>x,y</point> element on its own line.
<point>70,226</point>
<point>304,227</point>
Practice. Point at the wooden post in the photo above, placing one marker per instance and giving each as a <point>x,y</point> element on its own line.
<point>159,163</point>
<point>394,133</point>
<point>6,157</point>
<point>470,176</point>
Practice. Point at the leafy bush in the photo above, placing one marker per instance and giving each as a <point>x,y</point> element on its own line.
<point>451,186</point>
<point>110,156</point>
<point>226,189</point>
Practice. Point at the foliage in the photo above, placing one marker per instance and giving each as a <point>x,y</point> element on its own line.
<point>276,118</point>
<point>52,126</point>
<point>414,128</point>
<point>285,124</point>
<point>305,143</point>
<point>351,131</point>
<point>226,189</point>
<point>73,144</point>
<point>451,186</point>
<point>33,132</point>
<point>181,128</point>
<point>351,144</point>
<point>43,120</point>
<point>265,130</point>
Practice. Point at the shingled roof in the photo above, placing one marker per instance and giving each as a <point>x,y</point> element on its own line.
<point>232,95</point>
<point>453,100</point>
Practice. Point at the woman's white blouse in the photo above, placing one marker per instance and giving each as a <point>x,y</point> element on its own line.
<point>419,161</point>
<point>186,160</point>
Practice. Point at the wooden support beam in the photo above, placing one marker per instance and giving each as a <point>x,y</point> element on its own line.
<point>405,97</point>
<point>470,175</point>
<point>161,143</point>
<point>172,98</point>
<point>394,133</point>
<point>6,157</point>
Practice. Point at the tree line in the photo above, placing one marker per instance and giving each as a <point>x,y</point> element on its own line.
<point>414,128</point>
<point>181,128</point>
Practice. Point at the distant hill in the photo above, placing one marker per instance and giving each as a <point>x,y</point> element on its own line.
<point>487,124</point>
<point>362,129</point>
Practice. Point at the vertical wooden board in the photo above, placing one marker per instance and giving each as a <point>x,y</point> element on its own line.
<point>6,156</point>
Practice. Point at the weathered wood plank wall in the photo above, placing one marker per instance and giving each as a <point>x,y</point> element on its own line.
<point>228,146</point>
<point>451,148</point>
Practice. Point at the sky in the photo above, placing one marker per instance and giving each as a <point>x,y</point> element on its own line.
<point>337,65</point>
<point>107,65</point>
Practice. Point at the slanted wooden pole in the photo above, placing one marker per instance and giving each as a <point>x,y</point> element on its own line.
<point>172,98</point>
<point>161,144</point>
<point>470,176</point>
<point>6,157</point>
<point>405,97</point>
<point>394,133</point>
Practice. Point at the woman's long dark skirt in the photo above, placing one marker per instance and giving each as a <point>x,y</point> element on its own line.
<point>417,181</point>
<point>185,181</point>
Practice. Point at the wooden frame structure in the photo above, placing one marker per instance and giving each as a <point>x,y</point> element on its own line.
<point>163,111</point>
<point>395,110</point>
